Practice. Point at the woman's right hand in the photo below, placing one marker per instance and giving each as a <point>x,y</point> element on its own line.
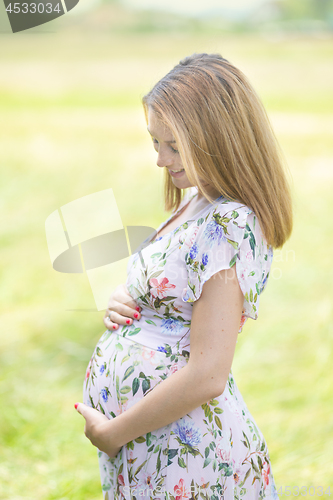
<point>121,308</point>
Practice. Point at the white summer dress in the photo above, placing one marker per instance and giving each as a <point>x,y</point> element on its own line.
<point>217,450</point>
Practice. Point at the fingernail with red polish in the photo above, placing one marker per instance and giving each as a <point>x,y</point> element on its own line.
<point>136,315</point>
<point>76,405</point>
<point>138,308</point>
<point>114,327</point>
<point>128,321</point>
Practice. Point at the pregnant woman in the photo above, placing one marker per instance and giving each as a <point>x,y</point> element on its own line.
<point>160,401</point>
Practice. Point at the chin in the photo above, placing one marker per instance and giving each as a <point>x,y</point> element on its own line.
<point>182,183</point>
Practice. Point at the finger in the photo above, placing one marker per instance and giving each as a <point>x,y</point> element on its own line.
<point>133,305</point>
<point>128,299</point>
<point>83,409</point>
<point>122,302</point>
<point>124,316</point>
<point>110,325</point>
<point>124,307</point>
<point>77,407</point>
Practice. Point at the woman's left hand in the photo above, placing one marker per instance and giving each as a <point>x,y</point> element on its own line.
<point>98,430</point>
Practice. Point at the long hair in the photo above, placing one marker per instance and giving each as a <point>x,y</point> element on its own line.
<point>224,139</point>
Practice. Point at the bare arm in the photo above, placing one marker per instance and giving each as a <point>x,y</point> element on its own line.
<point>214,331</point>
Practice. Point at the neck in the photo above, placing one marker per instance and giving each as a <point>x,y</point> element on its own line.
<point>213,193</point>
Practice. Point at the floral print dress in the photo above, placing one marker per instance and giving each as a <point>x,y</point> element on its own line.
<point>217,450</point>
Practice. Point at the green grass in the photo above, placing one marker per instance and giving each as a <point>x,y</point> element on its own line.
<point>73,125</point>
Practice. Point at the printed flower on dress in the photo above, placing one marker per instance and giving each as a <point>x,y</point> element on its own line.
<point>160,288</point>
<point>194,251</point>
<point>104,394</point>
<point>173,369</point>
<point>161,348</point>
<point>265,473</point>
<point>238,469</point>
<point>204,259</point>
<point>145,484</point>
<point>171,326</point>
<point>188,433</point>
<point>214,232</point>
<point>234,408</point>
<point>186,296</point>
<point>147,354</point>
<point>223,452</point>
<point>181,491</point>
<point>246,272</point>
<point>121,480</point>
<point>131,458</point>
<point>249,256</point>
<point>189,238</point>
<point>121,483</point>
<point>223,449</point>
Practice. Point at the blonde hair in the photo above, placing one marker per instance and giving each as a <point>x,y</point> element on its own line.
<point>224,139</point>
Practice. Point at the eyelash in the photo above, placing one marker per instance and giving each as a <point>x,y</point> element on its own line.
<point>155,141</point>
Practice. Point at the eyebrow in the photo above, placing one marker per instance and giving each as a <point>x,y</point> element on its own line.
<point>168,142</point>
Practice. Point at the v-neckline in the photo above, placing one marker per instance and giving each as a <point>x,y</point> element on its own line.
<point>194,217</point>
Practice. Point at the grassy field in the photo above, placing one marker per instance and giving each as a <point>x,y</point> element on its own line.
<point>72,125</point>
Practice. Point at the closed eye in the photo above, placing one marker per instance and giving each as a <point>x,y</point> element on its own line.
<point>155,141</point>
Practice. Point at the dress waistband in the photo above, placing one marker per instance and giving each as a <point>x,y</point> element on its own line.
<point>172,349</point>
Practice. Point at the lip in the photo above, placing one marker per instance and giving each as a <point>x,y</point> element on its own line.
<point>178,174</point>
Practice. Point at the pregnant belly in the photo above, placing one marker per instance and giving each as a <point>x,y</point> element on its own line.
<point>121,372</point>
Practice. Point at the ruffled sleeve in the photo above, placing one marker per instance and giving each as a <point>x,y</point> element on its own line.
<point>229,234</point>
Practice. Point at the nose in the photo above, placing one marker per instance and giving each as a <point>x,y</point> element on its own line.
<point>164,159</point>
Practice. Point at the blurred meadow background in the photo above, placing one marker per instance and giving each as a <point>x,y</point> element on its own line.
<point>71,125</point>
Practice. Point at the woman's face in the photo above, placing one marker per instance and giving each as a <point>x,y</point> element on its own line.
<point>166,147</point>
<point>168,155</point>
